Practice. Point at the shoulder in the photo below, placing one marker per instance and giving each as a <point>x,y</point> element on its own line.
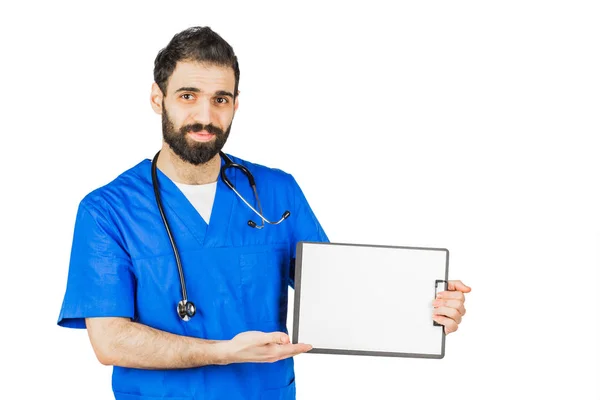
<point>118,191</point>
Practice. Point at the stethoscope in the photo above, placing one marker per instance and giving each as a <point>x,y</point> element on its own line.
<point>185,308</point>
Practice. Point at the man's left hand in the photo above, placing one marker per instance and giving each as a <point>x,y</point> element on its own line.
<point>449,306</point>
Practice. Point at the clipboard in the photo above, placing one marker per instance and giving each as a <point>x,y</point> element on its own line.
<point>373,300</point>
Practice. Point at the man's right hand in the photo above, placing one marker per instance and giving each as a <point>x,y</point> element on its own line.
<point>261,347</point>
<point>124,343</point>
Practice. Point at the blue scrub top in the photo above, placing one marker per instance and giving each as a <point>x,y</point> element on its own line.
<point>122,265</point>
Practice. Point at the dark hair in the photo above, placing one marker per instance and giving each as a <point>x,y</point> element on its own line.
<point>199,44</point>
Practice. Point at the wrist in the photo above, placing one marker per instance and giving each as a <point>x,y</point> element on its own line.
<point>221,352</point>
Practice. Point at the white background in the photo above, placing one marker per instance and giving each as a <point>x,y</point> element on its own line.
<point>469,125</point>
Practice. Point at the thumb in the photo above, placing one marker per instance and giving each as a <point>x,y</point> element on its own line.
<point>458,285</point>
<point>278,338</point>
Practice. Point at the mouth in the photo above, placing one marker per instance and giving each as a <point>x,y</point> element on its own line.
<point>201,136</point>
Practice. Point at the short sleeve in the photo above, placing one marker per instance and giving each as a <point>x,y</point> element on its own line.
<point>306,226</point>
<point>100,282</point>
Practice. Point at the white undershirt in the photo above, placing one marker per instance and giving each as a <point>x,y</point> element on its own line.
<point>202,197</point>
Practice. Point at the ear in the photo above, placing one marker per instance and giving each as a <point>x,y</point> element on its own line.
<point>236,104</point>
<point>156,98</point>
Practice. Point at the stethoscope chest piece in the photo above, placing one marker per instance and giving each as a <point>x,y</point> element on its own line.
<point>186,310</point>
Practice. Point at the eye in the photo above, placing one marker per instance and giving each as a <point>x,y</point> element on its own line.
<point>183,96</point>
<point>222,100</point>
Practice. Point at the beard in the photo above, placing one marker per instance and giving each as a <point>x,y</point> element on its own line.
<point>195,153</point>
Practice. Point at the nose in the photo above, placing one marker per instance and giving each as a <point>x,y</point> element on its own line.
<point>202,112</point>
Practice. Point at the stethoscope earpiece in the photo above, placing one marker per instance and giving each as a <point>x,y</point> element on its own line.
<point>253,224</point>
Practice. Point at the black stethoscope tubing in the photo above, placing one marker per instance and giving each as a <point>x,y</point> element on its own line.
<point>185,308</point>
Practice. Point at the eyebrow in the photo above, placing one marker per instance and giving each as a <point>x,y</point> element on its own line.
<point>196,90</point>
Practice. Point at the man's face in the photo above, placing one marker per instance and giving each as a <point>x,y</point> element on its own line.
<point>198,110</point>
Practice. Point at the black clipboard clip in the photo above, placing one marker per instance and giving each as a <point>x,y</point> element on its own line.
<point>440,286</point>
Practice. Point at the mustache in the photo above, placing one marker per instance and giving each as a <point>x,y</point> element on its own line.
<point>210,128</point>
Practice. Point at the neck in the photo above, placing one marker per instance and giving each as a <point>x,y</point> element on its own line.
<point>183,172</point>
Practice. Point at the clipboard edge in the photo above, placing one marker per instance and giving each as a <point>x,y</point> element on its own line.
<point>297,292</point>
<point>377,245</point>
<point>375,353</point>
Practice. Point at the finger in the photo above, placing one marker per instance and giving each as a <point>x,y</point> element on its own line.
<point>457,304</point>
<point>447,295</point>
<point>277,338</point>
<point>458,285</point>
<point>290,350</point>
<point>451,313</point>
<point>449,324</point>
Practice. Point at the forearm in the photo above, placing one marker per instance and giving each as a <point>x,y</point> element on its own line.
<point>121,342</point>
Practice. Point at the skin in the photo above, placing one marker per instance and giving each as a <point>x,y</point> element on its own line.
<point>449,306</point>
<point>188,107</point>
<point>122,342</point>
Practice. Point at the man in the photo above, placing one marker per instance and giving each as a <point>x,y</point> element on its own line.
<point>125,286</point>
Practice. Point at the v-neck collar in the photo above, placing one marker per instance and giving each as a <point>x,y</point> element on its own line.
<point>213,234</point>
